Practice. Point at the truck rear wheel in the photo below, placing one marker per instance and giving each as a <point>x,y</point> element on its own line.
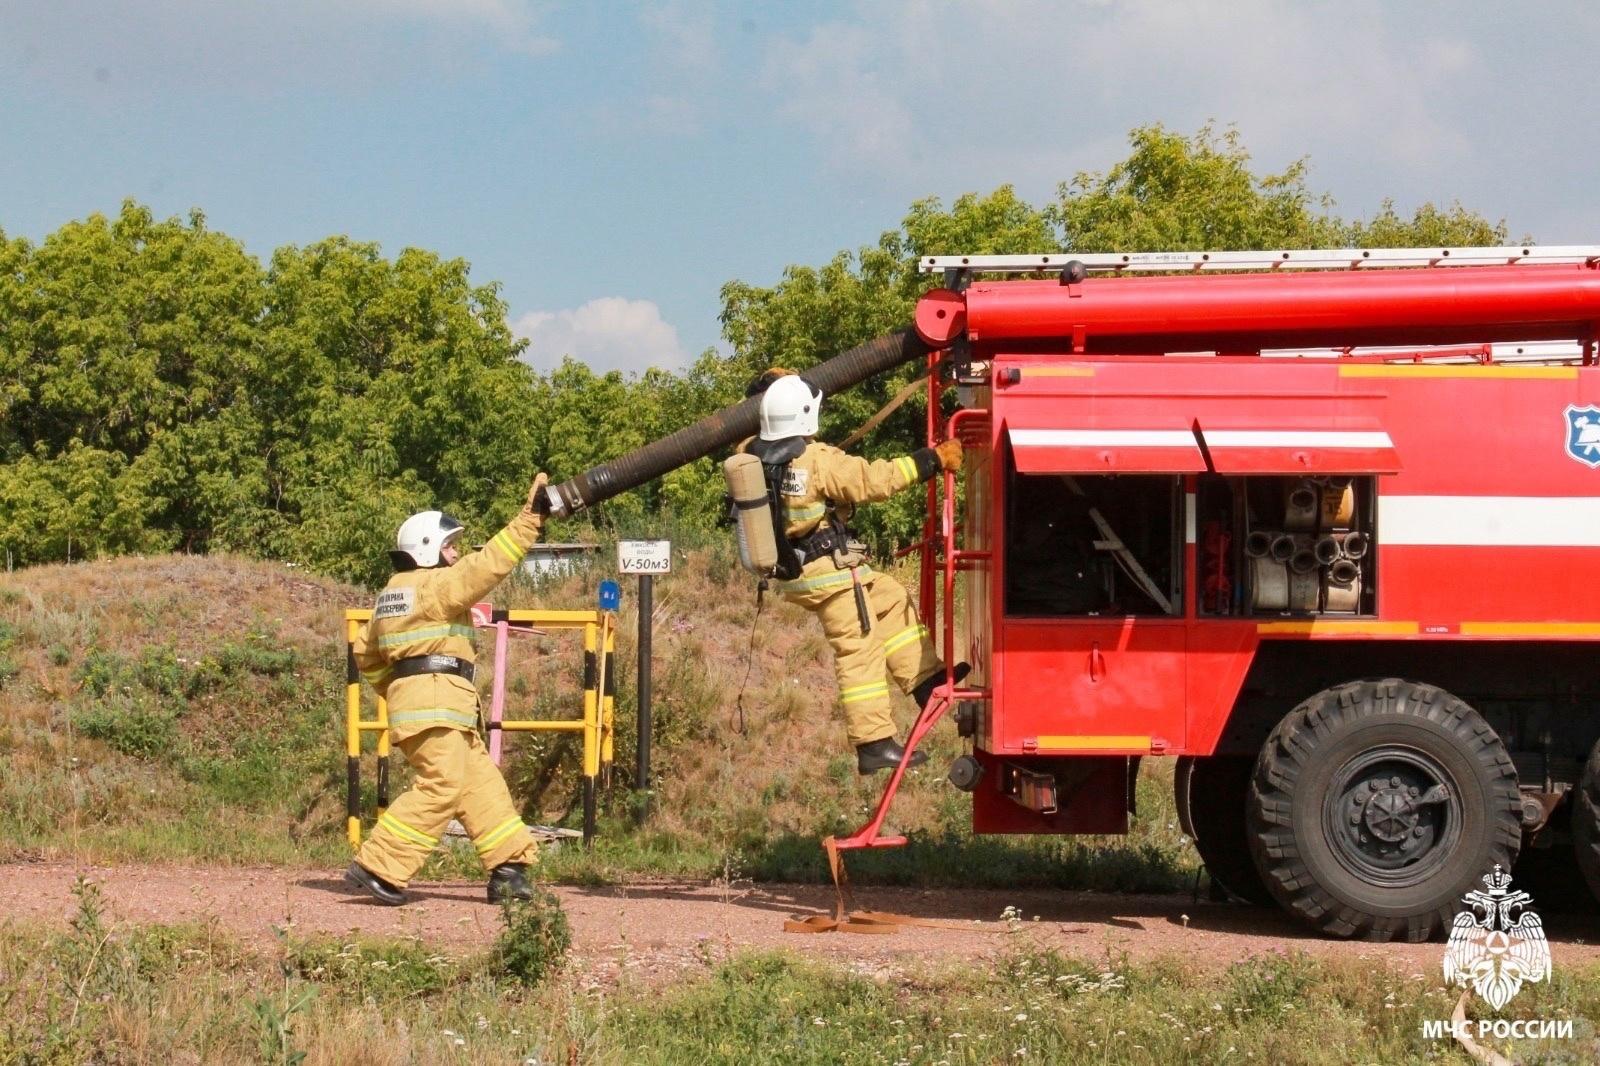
<point>1377,804</point>
<point>1586,821</point>
<point>1211,793</point>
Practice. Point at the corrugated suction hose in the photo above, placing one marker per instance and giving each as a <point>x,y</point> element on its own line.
<point>727,426</point>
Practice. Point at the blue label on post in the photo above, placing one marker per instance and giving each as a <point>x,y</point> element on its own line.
<point>610,595</point>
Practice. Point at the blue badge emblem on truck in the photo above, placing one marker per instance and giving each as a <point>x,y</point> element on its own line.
<point>1583,434</point>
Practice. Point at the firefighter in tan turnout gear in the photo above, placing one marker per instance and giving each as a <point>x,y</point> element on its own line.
<point>417,653</point>
<point>867,616</point>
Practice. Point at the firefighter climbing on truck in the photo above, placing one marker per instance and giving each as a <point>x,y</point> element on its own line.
<point>812,489</point>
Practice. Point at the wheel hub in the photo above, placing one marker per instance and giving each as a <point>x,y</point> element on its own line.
<point>1392,816</point>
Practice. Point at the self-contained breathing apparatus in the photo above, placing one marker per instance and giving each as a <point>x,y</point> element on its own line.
<point>755,481</point>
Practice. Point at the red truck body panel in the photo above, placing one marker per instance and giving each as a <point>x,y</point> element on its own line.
<point>1486,477</point>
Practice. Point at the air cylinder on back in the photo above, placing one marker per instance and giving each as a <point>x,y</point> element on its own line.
<point>747,485</point>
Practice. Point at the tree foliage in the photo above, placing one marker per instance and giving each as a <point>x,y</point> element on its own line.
<point>161,388</point>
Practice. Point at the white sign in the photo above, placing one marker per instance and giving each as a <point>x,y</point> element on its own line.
<point>644,556</point>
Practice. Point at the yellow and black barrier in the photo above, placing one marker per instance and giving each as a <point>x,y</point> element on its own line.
<point>597,725</point>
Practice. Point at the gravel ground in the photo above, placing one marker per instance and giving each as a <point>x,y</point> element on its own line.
<point>657,931</point>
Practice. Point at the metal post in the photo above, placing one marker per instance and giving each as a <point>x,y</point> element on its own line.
<point>352,737</point>
<point>641,775</point>
<point>591,728</point>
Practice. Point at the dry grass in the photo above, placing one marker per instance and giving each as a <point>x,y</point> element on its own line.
<point>105,992</point>
<point>212,748</point>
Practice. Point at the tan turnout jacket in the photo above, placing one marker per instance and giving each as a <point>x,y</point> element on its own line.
<point>824,475</point>
<point>428,612</point>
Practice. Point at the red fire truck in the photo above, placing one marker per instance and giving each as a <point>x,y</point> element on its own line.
<point>1322,526</point>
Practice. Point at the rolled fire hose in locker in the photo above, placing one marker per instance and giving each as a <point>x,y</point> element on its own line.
<point>1338,506</point>
<point>1270,580</point>
<point>727,426</point>
<point>1300,514</point>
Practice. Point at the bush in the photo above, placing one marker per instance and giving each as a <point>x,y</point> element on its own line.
<point>133,728</point>
<point>535,941</point>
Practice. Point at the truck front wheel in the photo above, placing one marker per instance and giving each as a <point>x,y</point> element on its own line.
<point>1377,804</point>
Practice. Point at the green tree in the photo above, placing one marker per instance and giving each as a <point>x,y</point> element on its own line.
<point>394,386</point>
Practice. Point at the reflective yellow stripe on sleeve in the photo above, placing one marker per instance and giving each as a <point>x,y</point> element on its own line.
<point>375,677</point>
<point>507,546</point>
<point>908,468</point>
<point>806,513</point>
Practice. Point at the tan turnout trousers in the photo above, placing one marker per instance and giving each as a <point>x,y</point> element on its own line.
<point>898,645</point>
<point>455,779</point>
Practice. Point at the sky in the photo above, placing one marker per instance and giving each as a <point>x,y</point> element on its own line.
<point>612,165</point>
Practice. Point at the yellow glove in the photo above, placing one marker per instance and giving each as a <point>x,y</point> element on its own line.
<point>538,502</point>
<point>949,452</point>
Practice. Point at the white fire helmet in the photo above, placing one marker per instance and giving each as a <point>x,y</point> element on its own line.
<point>789,409</point>
<point>424,534</point>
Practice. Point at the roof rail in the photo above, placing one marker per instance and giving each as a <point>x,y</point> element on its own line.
<point>1281,259</point>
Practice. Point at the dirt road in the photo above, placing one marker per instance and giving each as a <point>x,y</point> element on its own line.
<point>654,931</point>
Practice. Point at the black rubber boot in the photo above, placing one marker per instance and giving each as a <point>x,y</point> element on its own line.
<point>884,754</point>
<point>924,690</point>
<point>377,887</point>
<point>509,880</point>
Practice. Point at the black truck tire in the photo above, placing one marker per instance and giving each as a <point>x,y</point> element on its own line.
<point>1211,793</point>
<point>1586,821</point>
<point>1377,804</point>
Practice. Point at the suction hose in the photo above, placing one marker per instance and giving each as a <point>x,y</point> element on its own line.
<point>727,426</point>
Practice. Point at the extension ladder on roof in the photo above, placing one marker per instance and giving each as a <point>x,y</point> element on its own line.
<point>1268,259</point>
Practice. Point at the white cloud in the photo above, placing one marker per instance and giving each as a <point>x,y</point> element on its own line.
<point>109,49</point>
<point>1020,92</point>
<point>609,333</point>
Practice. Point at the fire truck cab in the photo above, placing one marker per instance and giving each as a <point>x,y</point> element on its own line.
<point>1322,526</point>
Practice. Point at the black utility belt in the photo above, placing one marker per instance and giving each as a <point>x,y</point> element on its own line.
<point>822,542</point>
<point>416,665</point>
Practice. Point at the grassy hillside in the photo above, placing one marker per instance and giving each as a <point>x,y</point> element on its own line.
<point>192,707</point>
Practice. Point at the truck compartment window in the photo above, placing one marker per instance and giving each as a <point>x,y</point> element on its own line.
<point>1094,544</point>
